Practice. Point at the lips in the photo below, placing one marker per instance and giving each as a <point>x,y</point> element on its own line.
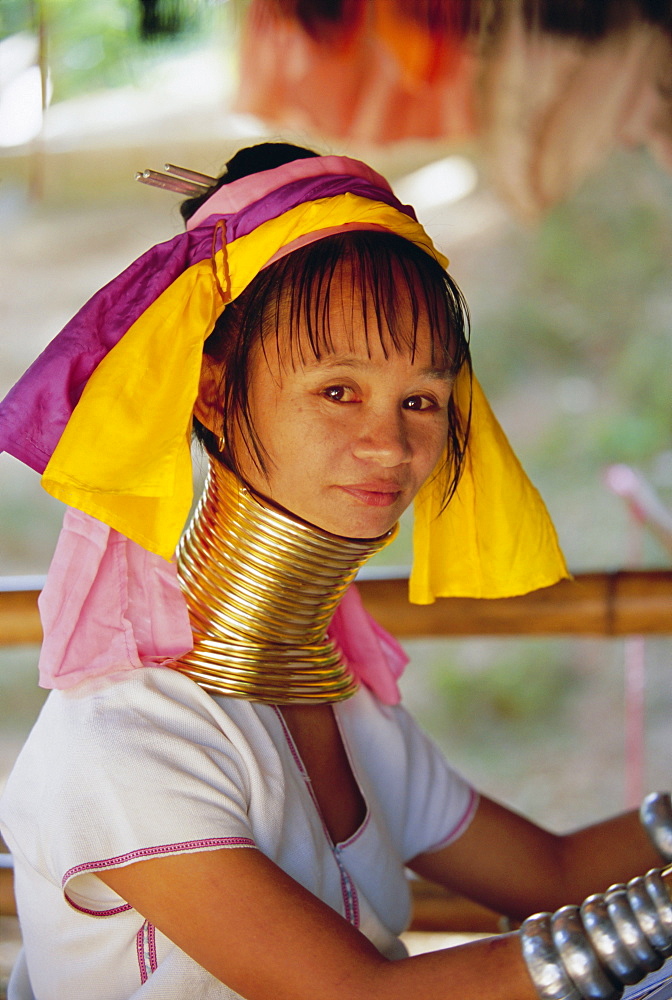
<point>374,494</point>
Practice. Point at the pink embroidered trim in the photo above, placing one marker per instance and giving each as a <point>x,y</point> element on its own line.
<point>348,889</point>
<point>145,944</point>
<point>148,852</point>
<point>97,913</point>
<point>461,826</point>
<point>140,951</point>
<point>153,961</point>
<point>145,852</point>
<point>358,833</point>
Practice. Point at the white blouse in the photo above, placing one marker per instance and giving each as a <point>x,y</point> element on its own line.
<point>145,763</point>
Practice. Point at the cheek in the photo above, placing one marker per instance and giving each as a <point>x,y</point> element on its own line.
<point>432,444</point>
<point>306,428</point>
<point>296,441</point>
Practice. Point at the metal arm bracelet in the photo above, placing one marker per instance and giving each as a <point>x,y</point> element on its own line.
<point>613,940</point>
<point>656,815</point>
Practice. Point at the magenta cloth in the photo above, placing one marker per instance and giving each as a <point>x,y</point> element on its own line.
<point>34,413</point>
<point>108,605</point>
<point>282,199</point>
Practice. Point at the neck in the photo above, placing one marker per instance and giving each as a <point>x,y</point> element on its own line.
<point>261,587</point>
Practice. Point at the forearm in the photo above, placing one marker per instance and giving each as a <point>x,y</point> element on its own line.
<point>516,868</point>
<point>279,942</point>
<point>492,968</point>
<point>600,855</point>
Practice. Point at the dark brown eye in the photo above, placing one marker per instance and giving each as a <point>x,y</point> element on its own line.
<point>419,403</point>
<point>339,393</point>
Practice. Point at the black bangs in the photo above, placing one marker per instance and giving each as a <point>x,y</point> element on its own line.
<point>392,283</point>
<point>383,278</point>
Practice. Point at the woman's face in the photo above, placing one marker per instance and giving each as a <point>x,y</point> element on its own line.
<point>350,438</point>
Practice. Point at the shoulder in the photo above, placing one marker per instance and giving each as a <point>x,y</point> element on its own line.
<point>148,722</point>
<point>364,717</point>
<point>423,797</point>
<point>144,700</point>
<point>149,751</point>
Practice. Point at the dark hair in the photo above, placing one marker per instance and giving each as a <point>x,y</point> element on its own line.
<point>290,297</point>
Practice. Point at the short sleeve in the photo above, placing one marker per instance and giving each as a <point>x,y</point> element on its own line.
<point>126,769</point>
<point>426,803</point>
<point>439,802</point>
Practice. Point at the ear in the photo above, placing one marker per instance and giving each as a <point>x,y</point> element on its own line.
<point>208,405</point>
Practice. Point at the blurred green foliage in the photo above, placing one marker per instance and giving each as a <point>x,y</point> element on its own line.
<point>15,16</point>
<point>524,684</point>
<point>589,308</point>
<point>94,44</point>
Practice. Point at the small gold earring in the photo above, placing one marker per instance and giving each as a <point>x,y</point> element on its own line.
<point>222,444</point>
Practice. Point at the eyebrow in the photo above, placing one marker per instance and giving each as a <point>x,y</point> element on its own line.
<point>441,372</point>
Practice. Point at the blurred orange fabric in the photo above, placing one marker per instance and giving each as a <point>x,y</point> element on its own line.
<point>382,79</point>
<point>546,108</point>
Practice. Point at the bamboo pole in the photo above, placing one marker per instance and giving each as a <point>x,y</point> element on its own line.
<point>601,604</point>
<point>436,909</point>
<point>626,602</point>
<point>19,618</point>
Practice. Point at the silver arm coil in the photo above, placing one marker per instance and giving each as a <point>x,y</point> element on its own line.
<point>656,816</point>
<point>611,941</point>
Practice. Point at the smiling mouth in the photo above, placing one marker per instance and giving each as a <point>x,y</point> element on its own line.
<point>373,497</point>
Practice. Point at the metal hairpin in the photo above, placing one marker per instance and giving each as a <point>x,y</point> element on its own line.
<point>177,179</point>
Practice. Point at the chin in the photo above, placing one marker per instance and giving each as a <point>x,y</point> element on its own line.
<point>368,523</point>
<point>359,527</point>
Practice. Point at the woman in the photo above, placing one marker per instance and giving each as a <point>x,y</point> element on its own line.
<point>222,794</point>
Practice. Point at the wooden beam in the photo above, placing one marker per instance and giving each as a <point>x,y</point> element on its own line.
<point>627,602</point>
<point>603,604</point>
<point>439,909</point>
<point>19,618</point>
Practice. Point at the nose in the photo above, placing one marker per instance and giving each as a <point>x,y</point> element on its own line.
<point>382,438</point>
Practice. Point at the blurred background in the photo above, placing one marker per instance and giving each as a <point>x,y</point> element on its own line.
<point>534,140</point>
